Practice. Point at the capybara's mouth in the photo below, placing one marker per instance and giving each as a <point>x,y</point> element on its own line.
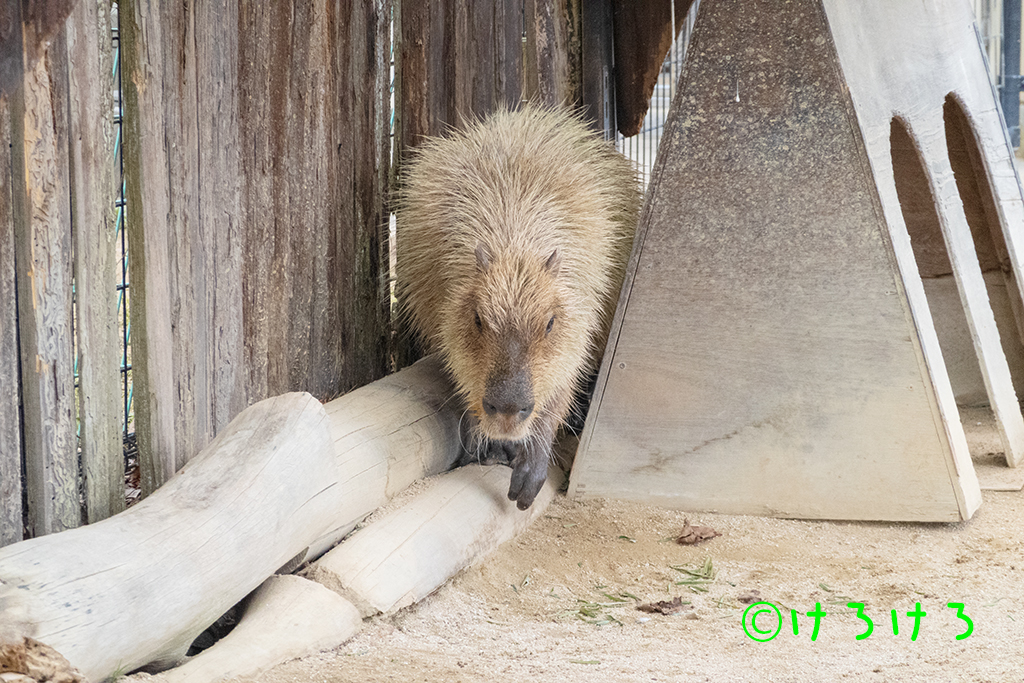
<point>504,427</point>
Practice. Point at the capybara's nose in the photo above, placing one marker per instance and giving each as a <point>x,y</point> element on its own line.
<point>520,410</point>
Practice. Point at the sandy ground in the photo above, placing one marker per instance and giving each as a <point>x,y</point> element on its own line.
<point>518,613</point>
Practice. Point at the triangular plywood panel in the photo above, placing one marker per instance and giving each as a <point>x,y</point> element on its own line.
<point>773,352</point>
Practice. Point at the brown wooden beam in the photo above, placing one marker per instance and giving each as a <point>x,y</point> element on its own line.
<point>643,35</point>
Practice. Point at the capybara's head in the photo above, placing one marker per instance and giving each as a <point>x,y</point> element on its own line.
<point>506,339</point>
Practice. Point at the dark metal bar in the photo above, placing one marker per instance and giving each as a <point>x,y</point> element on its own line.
<point>1009,82</point>
<point>598,79</point>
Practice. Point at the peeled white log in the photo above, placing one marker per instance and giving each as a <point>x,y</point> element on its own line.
<point>140,586</point>
<point>408,553</point>
<point>285,618</point>
<point>284,480</point>
<point>388,435</point>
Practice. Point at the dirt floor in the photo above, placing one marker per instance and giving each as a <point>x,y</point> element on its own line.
<point>559,603</point>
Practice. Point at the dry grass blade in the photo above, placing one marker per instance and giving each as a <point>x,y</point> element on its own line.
<point>699,578</point>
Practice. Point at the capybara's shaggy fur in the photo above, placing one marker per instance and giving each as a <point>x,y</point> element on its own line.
<point>513,237</point>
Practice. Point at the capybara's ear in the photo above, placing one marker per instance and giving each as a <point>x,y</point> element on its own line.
<point>483,256</point>
<point>553,262</point>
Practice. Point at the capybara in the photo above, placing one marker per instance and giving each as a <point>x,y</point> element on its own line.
<point>513,237</point>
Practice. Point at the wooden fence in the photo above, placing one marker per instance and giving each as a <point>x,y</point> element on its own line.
<point>258,160</point>
<point>56,224</point>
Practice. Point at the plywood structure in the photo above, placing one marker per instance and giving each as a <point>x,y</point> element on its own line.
<point>774,351</point>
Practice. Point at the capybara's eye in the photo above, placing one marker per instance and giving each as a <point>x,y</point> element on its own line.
<point>551,323</point>
<point>479,324</point>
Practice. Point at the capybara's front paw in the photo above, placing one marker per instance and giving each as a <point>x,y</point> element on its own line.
<point>528,476</point>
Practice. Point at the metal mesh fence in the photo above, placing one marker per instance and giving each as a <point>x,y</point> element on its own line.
<point>642,148</point>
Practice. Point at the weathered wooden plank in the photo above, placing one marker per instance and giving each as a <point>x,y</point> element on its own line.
<point>167,246</point>
<point>260,239</point>
<point>93,190</point>
<point>315,223</point>
<point>42,207</point>
<point>644,31</point>
<point>507,69</point>
<point>361,136</point>
<point>42,19</point>
<point>149,66</point>
<point>486,40</point>
<point>420,104</point>
<point>11,523</point>
<point>456,60</point>
<point>11,51</point>
<point>217,256</point>
<point>418,86</point>
<point>546,76</point>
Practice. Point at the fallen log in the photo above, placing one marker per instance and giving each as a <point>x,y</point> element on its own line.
<point>284,480</point>
<point>396,560</point>
<point>388,435</point>
<point>407,554</point>
<point>287,617</point>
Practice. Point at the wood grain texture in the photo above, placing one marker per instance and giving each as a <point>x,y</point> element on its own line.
<point>140,586</point>
<point>162,213</point>
<point>219,379</point>
<point>96,251</point>
<point>547,53</point>
<point>11,523</point>
<point>258,228</point>
<point>360,131</point>
<point>407,554</point>
<point>41,20</point>
<point>765,360</point>
<point>287,617</point>
<point>281,484</point>
<point>457,60</point>
<point>41,200</point>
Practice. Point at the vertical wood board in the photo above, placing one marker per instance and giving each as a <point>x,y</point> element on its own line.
<point>218,253</point>
<point>547,53</point>
<point>93,191</point>
<point>361,133</point>
<point>160,215</point>
<point>10,390</point>
<point>257,219</point>
<point>456,60</point>
<point>41,201</point>
<point>597,67</point>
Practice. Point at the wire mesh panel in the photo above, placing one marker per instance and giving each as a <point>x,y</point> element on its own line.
<point>124,326</point>
<point>643,147</point>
